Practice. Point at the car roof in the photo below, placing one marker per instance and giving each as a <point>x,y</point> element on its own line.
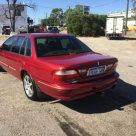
<point>42,34</point>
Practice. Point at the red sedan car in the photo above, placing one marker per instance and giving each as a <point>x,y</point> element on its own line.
<point>58,65</point>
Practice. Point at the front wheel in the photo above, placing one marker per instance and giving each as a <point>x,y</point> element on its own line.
<point>29,87</point>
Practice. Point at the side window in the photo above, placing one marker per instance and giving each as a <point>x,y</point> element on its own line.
<point>7,45</point>
<point>22,50</point>
<point>64,43</point>
<point>28,48</point>
<point>17,44</point>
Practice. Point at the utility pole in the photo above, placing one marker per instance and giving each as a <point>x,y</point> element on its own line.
<point>9,13</point>
<point>46,19</point>
<point>126,17</point>
<point>69,8</point>
<point>34,21</point>
<point>39,21</point>
<point>83,10</point>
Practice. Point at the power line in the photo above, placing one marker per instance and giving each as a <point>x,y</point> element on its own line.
<point>48,7</point>
<point>90,7</point>
<point>105,4</point>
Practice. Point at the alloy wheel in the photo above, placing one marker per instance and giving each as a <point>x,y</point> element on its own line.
<point>28,86</point>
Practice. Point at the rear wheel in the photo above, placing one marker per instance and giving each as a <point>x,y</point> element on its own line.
<point>29,87</point>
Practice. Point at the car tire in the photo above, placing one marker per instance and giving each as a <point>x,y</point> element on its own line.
<point>30,87</point>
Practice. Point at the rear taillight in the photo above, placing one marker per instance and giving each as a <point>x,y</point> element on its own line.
<point>82,71</point>
<point>115,65</point>
<point>65,74</point>
<point>111,66</point>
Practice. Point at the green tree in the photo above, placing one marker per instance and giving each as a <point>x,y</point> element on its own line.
<point>79,7</point>
<point>78,10</point>
<point>66,14</point>
<point>56,15</point>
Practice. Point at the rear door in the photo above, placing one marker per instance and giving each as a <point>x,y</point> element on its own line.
<point>14,59</point>
<point>119,25</point>
<point>110,25</point>
<point>5,52</point>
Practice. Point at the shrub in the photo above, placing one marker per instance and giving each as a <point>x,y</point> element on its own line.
<point>86,30</point>
<point>86,24</point>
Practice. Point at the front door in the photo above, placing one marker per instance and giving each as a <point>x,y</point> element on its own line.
<point>14,58</point>
<point>4,53</point>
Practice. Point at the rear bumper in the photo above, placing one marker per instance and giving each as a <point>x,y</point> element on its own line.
<point>23,31</point>
<point>114,35</point>
<point>75,91</point>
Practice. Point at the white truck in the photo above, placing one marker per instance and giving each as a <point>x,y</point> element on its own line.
<point>114,27</point>
<point>5,29</point>
<point>22,29</point>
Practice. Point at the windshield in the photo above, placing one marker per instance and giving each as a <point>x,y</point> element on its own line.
<point>56,46</point>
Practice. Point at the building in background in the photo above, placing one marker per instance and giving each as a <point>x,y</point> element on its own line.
<point>131,21</point>
<point>20,16</point>
<point>86,10</point>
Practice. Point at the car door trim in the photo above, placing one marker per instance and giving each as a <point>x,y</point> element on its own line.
<point>4,64</point>
<point>48,85</point>
<point>57,87</point>
<point>12,68</point>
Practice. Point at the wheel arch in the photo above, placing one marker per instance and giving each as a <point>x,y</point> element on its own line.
<point>22,73</point>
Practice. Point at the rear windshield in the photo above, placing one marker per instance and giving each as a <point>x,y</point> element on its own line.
<point>50,28</point>
<point>6,26</point>
<point>56,46</point>
<point>36,27</point>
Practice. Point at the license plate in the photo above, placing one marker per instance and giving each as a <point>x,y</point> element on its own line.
<point>96,71</point>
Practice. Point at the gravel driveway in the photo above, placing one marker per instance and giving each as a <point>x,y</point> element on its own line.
<point>111,115</point>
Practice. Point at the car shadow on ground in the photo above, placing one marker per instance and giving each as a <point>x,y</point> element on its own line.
<point>124,94</point>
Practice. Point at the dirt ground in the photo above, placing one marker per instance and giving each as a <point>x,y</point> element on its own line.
<point>111,115</point>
